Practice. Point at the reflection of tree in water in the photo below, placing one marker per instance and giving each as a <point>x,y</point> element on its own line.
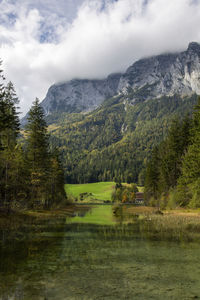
<point>79,214</point>
<point>24,265</point>
<point>82,213</point>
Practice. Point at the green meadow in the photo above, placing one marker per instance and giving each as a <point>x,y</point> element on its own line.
<point>99,191</point>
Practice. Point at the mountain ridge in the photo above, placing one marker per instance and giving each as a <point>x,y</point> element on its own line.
<point>147,78</point>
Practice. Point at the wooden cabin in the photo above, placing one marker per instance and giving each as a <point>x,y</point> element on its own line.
<point>139,198</point>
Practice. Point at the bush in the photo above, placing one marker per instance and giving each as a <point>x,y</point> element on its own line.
<point>172,199</point>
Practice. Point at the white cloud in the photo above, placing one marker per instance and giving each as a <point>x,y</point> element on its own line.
<point>46,43</point>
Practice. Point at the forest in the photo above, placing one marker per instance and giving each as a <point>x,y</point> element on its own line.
<point>115,141</point>
<point>173,172</point>
<point>31,173</point>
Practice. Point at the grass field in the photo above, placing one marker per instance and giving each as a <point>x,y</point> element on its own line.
<point>98,191</point>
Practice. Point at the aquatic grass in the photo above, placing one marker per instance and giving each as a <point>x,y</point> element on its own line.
<point>144,210</point>
<point>172,227</point>
<point>169,225</point>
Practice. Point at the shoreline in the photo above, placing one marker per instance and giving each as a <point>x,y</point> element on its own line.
<point>178,224</point>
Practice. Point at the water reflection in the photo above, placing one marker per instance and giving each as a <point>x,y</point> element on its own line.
<point>83,259</point>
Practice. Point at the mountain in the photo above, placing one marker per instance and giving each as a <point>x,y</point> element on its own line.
<point>106,129</point>
<point>162,75</point>
<point>80,95</point>
<point>166,74</point>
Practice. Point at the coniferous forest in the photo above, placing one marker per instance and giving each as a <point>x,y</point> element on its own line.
<point>172,174</point>
<point>31,174</point>
<point>115,141</point>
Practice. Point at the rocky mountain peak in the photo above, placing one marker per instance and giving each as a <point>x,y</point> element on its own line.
<point>148,78</point>
<point>194,47</point>
<point>166,74</point>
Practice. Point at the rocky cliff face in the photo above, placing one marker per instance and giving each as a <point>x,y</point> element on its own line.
<point>166,74</point>
<point>80,95</point>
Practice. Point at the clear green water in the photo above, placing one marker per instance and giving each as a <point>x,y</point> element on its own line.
<point>82,258</point>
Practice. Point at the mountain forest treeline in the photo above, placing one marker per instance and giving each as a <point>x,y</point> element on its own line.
<point>115,141</point>
<point>173,172</point>
<point>31,174</point>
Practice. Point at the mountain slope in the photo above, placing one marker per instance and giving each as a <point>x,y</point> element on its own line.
<point>114,141</point>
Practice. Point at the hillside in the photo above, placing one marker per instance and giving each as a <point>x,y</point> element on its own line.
<point>114,141</point>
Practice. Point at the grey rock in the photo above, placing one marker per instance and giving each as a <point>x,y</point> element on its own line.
<point>153,77</point>
<point>80,95</point>
<point>166,74</point>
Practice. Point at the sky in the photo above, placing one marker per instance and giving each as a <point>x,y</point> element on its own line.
<point>43,42</point>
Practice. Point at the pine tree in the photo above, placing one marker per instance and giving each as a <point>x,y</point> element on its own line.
<point>152,175</point>
<point>45,169</point>
<point>56,182</point>
<point>189,182</point>
<point>38,155</point>
<point>9,129</point>
<point>34,177</point>
<point>172,151</point>
<point>164,168</point>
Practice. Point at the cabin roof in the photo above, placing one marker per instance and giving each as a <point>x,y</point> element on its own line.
<point>139,195</point>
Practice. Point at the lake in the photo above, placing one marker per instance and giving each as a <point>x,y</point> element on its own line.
<point>95,255</point>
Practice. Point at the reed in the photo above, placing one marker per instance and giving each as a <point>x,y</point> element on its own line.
<point>175,225</point>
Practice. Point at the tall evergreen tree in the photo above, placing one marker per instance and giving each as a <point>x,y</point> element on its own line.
<point>189,182</point>
<point>164,168</point>
<point>172,151</point>
<point>152,175</point>
<point>45,169</point>
<point>34,177</point>
<point>38,154</point>
<point>56,182</point>
<point>9,129</point>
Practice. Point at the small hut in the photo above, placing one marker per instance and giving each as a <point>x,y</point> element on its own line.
<point>139,198</point>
